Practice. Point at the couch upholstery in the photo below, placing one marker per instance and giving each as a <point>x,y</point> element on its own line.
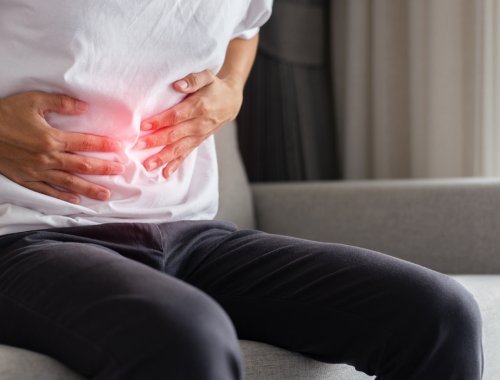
<point>449,225</point>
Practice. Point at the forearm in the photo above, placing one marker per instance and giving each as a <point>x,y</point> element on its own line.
<point>239,60</point>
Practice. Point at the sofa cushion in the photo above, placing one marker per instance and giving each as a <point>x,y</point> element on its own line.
<point>235,198</point>
<point>19,364</point>
<point>486,290</point>
<point>265,362</point>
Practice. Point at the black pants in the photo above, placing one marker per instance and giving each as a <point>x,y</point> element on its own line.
<point>147,302</point>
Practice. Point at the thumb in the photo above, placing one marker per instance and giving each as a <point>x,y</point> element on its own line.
<point>62,104</point>
<point>194,82</point>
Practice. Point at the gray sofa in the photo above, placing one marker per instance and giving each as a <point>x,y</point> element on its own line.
<point>449,225</point>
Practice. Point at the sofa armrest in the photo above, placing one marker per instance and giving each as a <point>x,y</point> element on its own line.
<point>451,225</point>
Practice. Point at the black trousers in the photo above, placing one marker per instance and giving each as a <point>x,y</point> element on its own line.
<point>149,302</point>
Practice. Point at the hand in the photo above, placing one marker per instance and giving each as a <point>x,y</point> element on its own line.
<point>38,157</point>
<point>211,103</point>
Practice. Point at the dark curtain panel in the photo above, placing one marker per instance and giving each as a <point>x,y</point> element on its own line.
<point>286,124</point>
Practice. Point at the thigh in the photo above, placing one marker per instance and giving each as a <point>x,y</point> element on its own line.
<point>93,309</point>
<point>333,302</point>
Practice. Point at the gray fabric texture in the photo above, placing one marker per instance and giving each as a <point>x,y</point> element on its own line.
<point>19,364</point>
<point>235,198</point>
<point>265,362</point>
<point>448,225</point>
<point>486,290</point>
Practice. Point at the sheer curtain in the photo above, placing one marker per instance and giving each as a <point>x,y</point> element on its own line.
<point>417,87</point>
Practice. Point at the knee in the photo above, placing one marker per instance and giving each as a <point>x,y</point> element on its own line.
<point>454,304</point>
<point>197,320</point>
<point>197,336</point>
<point>451,312</point>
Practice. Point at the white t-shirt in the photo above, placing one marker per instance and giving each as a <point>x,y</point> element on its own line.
<point>121,57</point>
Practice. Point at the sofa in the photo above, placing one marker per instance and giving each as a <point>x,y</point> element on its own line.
<point>450,225</point>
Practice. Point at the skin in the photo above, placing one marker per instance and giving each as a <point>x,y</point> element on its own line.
<point>46,160</point>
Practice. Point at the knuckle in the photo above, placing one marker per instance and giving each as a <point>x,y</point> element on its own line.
<point>174,135</point>
<point>68,181</point>
<point>65,102</point>
<point>47,142</point>
<point>200,129</point>
<point>36,96</point>
<point>177,150</point>
<point>56,161</point>
<point>34,99</point>
<point>107,169</point>
<point>86,144</point>
<point>203,105</point>
<point>174,117</point>
<point>44,160</point>
<point>84,167</point>
<point>193,80</point>
<point>104,145</point>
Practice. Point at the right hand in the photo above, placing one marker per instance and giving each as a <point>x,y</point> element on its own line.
<point>39,157</point>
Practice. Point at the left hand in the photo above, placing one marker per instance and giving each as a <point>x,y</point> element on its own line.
<point>211,103</point>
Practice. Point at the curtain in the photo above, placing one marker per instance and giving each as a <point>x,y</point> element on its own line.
<point>417,87</point>
<point>286,125</point>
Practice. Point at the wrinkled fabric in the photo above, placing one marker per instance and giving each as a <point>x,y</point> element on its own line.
<point>121,57</point>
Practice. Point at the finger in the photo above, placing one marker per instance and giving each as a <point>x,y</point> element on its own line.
<point>193,82</point>
<point>172,166</point>
<point>58,103</point>
<point>75,163</point>
<point>171,152</point>
<point>183,111</point>
<point>76,185</point>
<point>170,135</point>
<point>43,188</point>
<point>81,142</point>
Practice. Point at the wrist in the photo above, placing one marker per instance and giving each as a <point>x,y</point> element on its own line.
<point>235,81</point>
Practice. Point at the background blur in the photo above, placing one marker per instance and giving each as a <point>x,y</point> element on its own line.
<point>365,89</point>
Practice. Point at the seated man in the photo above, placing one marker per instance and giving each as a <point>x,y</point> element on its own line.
<point>110,260</point>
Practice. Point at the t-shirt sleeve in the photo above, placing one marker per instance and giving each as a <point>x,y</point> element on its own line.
<point>257,14</point>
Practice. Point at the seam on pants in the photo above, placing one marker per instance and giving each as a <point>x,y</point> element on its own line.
<point>162,238</point>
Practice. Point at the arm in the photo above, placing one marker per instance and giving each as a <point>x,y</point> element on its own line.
<point>212,103</point>
<point>239,61</point>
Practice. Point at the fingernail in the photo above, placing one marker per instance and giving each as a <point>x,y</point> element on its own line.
<point>74,200</point>
<point>151,165</point>
<point>147,126</point>
<point>81,106</point>
<point>103,195</point>
<point>183,84</point>
<point>118,169</point>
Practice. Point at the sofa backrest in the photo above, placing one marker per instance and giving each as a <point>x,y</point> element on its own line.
<point>235,198</point>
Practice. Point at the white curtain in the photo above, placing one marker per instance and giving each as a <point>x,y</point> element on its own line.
<point>417,87</point>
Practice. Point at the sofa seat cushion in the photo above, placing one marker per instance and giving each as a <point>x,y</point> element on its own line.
<point>19,364</point>
<point>265,362</point>
<point>486,290</point>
